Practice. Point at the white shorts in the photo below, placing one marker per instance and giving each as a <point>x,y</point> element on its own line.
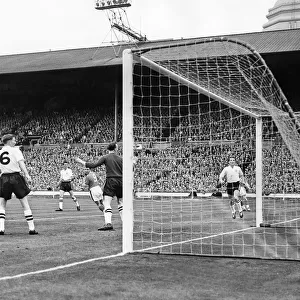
<point>96,193</point>
<point>242,191</point>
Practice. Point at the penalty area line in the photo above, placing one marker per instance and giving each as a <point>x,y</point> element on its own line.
<point>61,267</point>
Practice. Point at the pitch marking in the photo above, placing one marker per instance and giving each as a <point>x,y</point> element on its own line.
<point>57,218</point>
<point>197,239</point>
<point>61,267</point>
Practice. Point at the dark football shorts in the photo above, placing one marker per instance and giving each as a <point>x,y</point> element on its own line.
<point>13,183</point>
<point>232,186</point>
<point>113,187</point>
<point>65,186</point>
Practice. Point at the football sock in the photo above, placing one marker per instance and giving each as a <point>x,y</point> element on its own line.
<point>120,208</point>
<point>2,219</point>
<point>107,215</point>
<point>29,219</point>
<point>232,205</point>
<point>97,203</point>
<point>239,206</point>
<point>61,203</point>
<point>75,200</point>
<point>232,208</point>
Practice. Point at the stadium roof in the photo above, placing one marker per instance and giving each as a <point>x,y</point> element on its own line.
<point>264,42</point>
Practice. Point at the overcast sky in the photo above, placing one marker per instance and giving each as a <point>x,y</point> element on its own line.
<point>41,25</point>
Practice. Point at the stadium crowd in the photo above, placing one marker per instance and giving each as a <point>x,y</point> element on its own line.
<point>191,162</point>
<point>45,164</point>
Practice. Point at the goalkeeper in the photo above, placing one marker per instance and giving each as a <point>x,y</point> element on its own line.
<point>113,183</point>
<point>233,175</point>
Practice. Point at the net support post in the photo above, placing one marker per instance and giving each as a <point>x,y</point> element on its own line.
<point>259,216</point>
<point>128,143</point>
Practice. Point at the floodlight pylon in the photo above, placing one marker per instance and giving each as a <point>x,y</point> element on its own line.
<point>117,16</point>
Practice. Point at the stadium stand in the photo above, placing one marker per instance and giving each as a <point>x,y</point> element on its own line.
<point>86,72</point>
<point>85,133</point>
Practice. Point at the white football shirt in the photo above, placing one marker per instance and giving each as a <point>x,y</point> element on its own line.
<point>232,174</point>
<point>66,175</point>
<point>9,159</point>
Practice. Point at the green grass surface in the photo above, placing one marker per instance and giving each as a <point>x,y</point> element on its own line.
<point>70,236</point>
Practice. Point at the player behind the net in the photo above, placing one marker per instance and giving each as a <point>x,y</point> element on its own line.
<point>244,188</point>
<point>233,175</point>
<point>96,193</point>
<point>11,181</point>
<point>65,185</point>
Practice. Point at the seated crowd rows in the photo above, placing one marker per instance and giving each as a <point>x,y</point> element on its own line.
<point>97,126</point>
<point>175,169</point>
<point>182,167</point>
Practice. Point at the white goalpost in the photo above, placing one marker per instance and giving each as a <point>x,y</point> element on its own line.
<point>187,108</point>
<point>128,152</point>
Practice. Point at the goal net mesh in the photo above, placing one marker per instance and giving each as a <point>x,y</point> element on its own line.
<point>194,106</point>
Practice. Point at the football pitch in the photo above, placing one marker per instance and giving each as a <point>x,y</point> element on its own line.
<point>205,226</point>
<point>71,259</point>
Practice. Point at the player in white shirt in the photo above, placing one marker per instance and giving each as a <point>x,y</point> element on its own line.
<point>232,174</point>
<point>65,185</point>
<point>11,181</point>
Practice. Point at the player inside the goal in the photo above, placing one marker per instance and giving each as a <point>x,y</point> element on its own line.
<point>233,175</point>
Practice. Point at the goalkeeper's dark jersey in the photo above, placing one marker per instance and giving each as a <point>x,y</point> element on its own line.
<point>112,162</point>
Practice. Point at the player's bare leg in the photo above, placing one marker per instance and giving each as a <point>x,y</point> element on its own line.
<point>120,207</point>
<point>247,206</point>
<point>101,206</point>
<point>97,199</point>
<point>242,203</point>
<point>28,215</point>
<point>99,203</point>
<point>61,201</point>
<point>238,203</point>
<point>107,214</point>
<point>2,215</point>
<point>75,200</point>
<point>232,206</point>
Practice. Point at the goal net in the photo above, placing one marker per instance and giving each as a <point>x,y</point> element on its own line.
<point>188,108</point>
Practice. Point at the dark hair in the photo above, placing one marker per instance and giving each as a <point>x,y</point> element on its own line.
<point>7,137</point>
<point>112,146</point>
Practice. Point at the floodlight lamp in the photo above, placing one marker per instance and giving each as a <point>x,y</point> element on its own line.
<point>111,4</point>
